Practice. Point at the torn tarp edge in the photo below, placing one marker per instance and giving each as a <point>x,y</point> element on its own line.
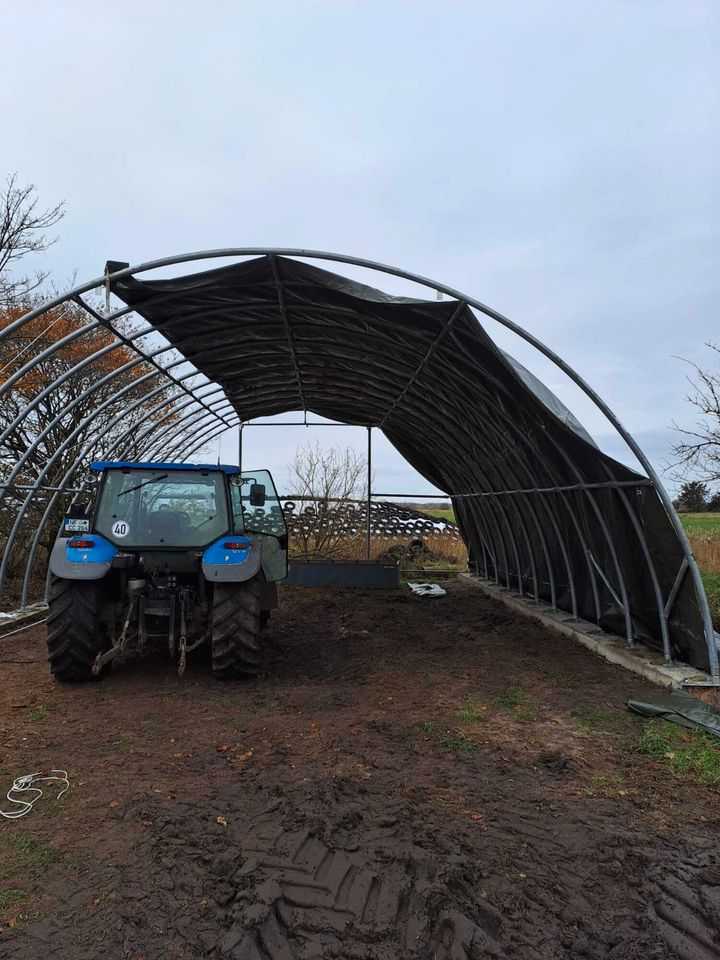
<point>681,708</point>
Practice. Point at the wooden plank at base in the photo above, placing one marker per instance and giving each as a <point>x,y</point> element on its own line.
<point>11,620</point>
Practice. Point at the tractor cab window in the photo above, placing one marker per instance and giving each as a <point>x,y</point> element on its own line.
<point>162,508</point>
<point>257,510</point>
<point>257,499</point>
<point>237,507</point>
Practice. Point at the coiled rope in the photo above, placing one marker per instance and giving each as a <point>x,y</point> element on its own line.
<point>26,784</point>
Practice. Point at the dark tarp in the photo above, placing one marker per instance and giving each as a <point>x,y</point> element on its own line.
<point>681,708</point>
<point>281,335</point>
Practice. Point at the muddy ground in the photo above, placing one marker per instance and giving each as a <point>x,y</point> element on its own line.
<point>408,778</point>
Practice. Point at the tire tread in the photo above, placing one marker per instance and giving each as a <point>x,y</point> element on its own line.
<point>74,634</point>
<point>236,629</point>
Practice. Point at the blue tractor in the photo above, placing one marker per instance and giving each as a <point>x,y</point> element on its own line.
<point>182,554</point>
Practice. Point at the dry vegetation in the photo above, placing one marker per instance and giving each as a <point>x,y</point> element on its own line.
<point>704,532</point>
<point>707,550</point>
<point>327,517</point>
<point>440,550</point>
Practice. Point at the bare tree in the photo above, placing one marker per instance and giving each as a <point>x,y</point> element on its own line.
<point>699,451</point>
<point>22,232</point>
<point>66,406</point>
<point>327,480</point>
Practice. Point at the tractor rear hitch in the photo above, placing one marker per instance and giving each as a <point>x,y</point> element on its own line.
<point>120,645</point>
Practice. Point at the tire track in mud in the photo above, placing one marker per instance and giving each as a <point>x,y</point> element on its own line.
<point>688,908</point>
<point>318,875</point>
<point>379,900</point>
<point>672,909</point>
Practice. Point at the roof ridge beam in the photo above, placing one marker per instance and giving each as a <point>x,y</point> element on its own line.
<point>275,267</point>
<point>431,349</point>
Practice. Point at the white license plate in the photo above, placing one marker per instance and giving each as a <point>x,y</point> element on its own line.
<point>77,526</point>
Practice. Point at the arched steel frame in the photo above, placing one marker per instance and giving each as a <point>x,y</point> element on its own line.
<point>490,509</point>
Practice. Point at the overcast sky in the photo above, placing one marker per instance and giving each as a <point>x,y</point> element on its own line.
<point>558,161</point>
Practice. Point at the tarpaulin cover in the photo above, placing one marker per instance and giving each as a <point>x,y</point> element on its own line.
<point>681,708</point>
<point>279,335</point>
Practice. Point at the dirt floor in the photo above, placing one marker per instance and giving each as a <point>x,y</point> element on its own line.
<point>426,778</point>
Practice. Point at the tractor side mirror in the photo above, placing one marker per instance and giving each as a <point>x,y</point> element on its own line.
<point>257,494</point>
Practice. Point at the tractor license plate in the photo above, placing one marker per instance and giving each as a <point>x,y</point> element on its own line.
<point>74,525</point>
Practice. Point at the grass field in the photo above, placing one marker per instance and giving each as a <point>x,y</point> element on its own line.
<point>445,513</point>
<point>699,524</point>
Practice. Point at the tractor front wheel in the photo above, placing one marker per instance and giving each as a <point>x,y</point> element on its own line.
<point>236,629</point>
<point>75,634</point>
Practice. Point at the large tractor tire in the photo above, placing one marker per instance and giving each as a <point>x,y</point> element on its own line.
<point>236,629</point>
<point>75,634</point>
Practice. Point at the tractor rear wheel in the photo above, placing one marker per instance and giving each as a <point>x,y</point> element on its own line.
<point>236,629</point>
<point>75,634</point>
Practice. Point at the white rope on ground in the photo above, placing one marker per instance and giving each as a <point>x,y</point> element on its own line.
<point>35,623</point>
<point>26,784</point>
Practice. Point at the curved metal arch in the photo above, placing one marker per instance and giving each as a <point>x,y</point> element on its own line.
<point>108,402</point>
<point>172,425</point>
<point>483,308</point>
<point>189,448</point>
<point>123,338</point>
<point>659,601</point>
<point>64,483</point>
<point>44,354</point>
<point>89,446</point>
<point>87,361</point>
<point>68,375</point>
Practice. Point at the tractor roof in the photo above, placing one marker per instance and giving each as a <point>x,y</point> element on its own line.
<point>114,464</point>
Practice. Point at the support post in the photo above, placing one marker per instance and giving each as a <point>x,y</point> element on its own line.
<point>240,445</point>
<point>369,487</point>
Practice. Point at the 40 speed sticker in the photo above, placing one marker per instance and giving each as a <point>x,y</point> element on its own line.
<point>120,529</point>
